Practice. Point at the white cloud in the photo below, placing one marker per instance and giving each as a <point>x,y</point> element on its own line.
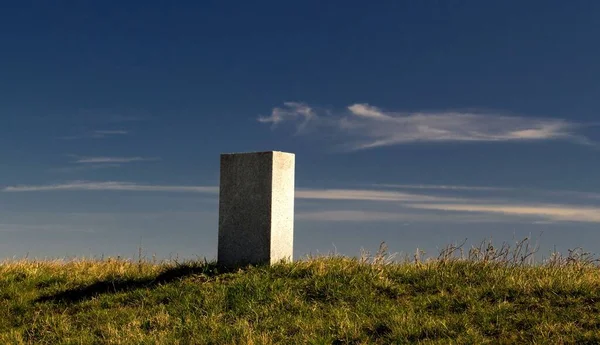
<point>366,126</point>
<point>97,160</point>
<point>105,133</point>
<point>351,216</point>
<point>384,129</point>
<point>368,195</point>
<point>570,193</point>
<point>110,186</point>
<point>404,216</point>
<point>98,134</point>
<point>84,167</point>
<point>366,110</point>
<point>553,212</point>
<point>442,187</point>
<point>540,193</point>
<point>292,111</point>
<point>314,194</point>
<point>95,163</point>
<point>448,207</point>
<point>49,228</point>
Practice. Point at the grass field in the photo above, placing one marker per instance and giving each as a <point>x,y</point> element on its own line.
<point>486,295</point>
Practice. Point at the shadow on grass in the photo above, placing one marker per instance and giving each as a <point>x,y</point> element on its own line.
<point>121,285</point>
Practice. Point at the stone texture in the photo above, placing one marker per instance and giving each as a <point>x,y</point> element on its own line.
<point>256,208</point>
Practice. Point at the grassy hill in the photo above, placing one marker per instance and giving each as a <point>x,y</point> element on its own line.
<point>488,295</point>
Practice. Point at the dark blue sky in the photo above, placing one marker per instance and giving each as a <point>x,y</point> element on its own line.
<point>486,114</point>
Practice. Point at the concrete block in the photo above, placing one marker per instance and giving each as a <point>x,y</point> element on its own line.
<point>256,208</point>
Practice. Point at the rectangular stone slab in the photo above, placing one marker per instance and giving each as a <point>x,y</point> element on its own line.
<point>256,208</point>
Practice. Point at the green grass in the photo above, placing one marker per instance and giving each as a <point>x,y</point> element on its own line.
<point>490,295</point>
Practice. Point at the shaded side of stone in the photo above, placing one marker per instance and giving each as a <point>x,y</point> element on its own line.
<point>245,197</point>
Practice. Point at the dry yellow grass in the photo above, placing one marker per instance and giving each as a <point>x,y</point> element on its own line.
<point>483,296</point>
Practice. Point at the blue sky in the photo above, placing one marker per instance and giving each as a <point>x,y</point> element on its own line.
<point>414,123</point>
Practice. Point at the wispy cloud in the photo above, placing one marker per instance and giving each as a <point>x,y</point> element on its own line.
<point>47,228</point>
<point>368,195</point>
<point>553,212</point>
<point>570,193</point>
<point>486,207</point>
<point>96,160</point>
<point>351,216</point>
<point>104,133</point>
<point>80,163</point>
<point>448,208</point>
<point>97,134</point>
<point>109,186</point>
<point>83,167</point>
<point>403,217</point>
<point>311,194</point>
<point>533,191</point>
<point>443,187</point>
<point>293,111</point>
<point>363,126</point>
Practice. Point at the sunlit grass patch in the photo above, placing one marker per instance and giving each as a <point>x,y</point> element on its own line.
<point>479,295</point>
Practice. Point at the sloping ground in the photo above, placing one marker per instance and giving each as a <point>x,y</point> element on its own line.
<point>329,300</point>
